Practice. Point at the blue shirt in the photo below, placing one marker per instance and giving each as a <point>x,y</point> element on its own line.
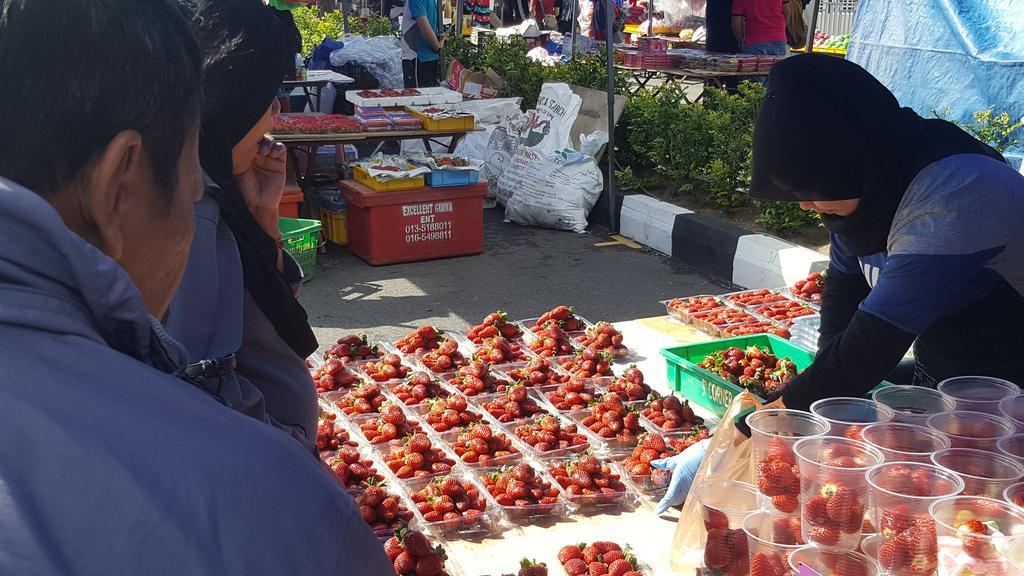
<point>426,8</point>
<point>954,236</point>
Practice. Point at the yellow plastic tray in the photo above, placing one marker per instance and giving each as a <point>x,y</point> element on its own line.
<point>363,176</point>
<point>444,125</point>
<point>334,226</point>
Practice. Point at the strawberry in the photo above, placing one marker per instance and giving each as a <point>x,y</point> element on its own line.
<point>532,568</point>
<point>430,565</point>
<point>575,567</point>
<point>619,567</point>
<point>716,549</point>
<point>824,535</point>
<point>416,543</point>
<point>762,565</point>
<point>816,510</point>
<point>604,338</point>
<point>404,563</point>
<point>890,556</point>
<point>568,553</point>
<point>393,547</point>
<point>786,504</point>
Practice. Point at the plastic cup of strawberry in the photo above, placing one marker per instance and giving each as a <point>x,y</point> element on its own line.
<point>837,562</point>
<point>899,442</point>
<point>723,506</point>
<point>771,539</point>
<point>976,430</point>
<point>984,473</point>
<point>975,535</point>
<point>847,417</point>
<point>834,492</point>
<point>776,473</point>
<point>902,493</point>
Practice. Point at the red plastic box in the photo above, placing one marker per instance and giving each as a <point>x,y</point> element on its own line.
<point>413,225</point>
<point>290,200</point>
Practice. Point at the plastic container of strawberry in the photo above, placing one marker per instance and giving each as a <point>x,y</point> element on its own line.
<point>380,453</point>
<point>420,411</point>
<point>436,389</point>
<point>531,451</point>
<point>529,324</point>
<point>784,312</point>
<point>411,426</point>
<point>763,297</point>
<point>384,530</point>
<point>530,513</point>
<point>758,327</point>
<point>738,316</point>
<point>519,372</point>
<point>834,491</point>
<point>588,388</point>
<point>367,459</point>
<point>533,394</point>
<point>489,522</point>
<point>616,352</point>
<point>964,551</point>
<point>494,381</point>
<point>789,293</point>
<point>652,485</point>
<point>682,315</point>
<point>620,442</point>
<point>450,441</point>
<point>607,499</point>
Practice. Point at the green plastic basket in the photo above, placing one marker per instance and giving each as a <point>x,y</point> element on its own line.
<point>712,391</point>
<point>301,238</point>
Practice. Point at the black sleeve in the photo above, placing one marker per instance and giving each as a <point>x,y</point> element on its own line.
<point>851,363</point>
<point>842,295</point>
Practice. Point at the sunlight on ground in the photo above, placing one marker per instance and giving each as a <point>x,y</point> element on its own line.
<point>381,289</point>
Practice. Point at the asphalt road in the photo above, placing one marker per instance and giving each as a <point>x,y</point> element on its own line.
<point>523,271</point>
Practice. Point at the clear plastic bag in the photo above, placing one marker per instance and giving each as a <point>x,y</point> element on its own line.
<point>380,55</point>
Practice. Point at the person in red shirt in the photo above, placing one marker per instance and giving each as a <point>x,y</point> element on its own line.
<point>760,26</point>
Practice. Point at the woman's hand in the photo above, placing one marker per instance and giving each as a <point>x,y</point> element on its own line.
<point>262,185</point>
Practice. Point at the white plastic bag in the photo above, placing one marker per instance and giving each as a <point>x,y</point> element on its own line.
<point>380,55</point>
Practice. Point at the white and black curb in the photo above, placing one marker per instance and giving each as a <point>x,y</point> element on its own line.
<point>716,246</point>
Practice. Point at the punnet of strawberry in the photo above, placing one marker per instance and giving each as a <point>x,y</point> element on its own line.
<point>450,413</point>
<point>522,491</point>
<point>537,372</point>
<point>598,558</point>
<point>605,338</point>
<point>416,457</point>
<point>548,434</point>
<point>810,288</point>
<point>588,363</point>
<point>637,465</point>
<point>352,348</point>
<point>330,435</point>
<point>350,469</point>
<point>563,316</point>
<point>422,340</point>
<point>451,500</point>
<point>334,375</point>
<point>550,340</point>
<point>500,350</point>
<point>630,386</point>
<point>381,510</point>
<point>755,368</point>
<point>414,555</point>
<point>694,304</point>
<point>587,480</point>
<point>480,444</point>
<point>575,394</point>
<point>367,398</point>
<point>474,379</point>
<point>445,358</point>
<point>495,324</point>
<point>514,404</point>
<point>610,418</point>
<point>389,367</point>
<point>670,414</point>
<point>418,388</point>
<point>757,297</point>
<point>391,424</point>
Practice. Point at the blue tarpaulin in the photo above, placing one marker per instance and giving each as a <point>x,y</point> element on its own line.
<point>964,55</point>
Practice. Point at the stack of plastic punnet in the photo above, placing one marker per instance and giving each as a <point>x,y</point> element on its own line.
<point>1012,446</point>
<point>975,535</point>
<point>773,433</point>
<point>900,442</point>
<point>978,393</point>
<point>913,404</point>
<point>724,507</point>
<point>978,430</point>
<point>848,416</point>
<point>1012,408</point>
<point>984,473</point>
<point>804,331</point>
<point>901,493</point>
<point>834,493</point>
<point>832,562</point>
<point>771,540</point>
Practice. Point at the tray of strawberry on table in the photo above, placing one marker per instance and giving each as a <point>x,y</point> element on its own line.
<point>486,446</point>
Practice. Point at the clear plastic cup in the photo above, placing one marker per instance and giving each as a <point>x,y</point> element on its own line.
<point>848,416</point>
<point>773,433</point>
<point>1012,446</point>
<point>1012,408</point>
<point>1014,494</point>
<point>984,473</point>
<point>913,404</point>
<point>901,493</point>
<point>834,489</point>
<point>772,539</point>
<point>899,442</point>
<point>978,393</point>
<point>978,430</point>
<point>869,546</point>
<point>1015,555</point>
<point>725,504</point>
<point>832,562</point>
<point>962,551</point>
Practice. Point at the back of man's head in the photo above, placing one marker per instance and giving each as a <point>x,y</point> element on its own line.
<point>75,73</point>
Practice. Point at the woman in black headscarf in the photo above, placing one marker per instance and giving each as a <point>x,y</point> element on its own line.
<point>923,221</point>
<point>236,311</point>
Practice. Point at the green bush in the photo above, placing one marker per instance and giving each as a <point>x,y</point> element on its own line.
<point>314,27</point>
<point>785,218</point>
<point>996,130</point>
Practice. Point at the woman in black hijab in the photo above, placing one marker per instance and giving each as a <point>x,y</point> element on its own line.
<point>236,311</point>
<point>923,220</point>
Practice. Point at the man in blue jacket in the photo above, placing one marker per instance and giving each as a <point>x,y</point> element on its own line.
<point>110,463</point>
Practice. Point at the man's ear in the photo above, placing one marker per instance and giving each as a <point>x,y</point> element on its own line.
<point>121,172</point>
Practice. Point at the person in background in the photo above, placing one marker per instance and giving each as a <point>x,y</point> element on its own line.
<point>566,11</point>
<point>111,461</point>
<point>720,38</point>
<point>599,22</point>
<point>421,32</point>
<point>236,311</point>
<point>760,26</point>
<point>924,221</point>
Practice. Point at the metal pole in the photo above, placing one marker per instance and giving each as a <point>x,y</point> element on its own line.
<point>610,65</point>
<point>457,17</point>
<point>650,17</point>
<point>572,29</point>
<point>814,24</point>
<point>344,15</point>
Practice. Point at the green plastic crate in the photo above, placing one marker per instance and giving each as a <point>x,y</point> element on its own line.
<point>712,391</point>
<point>301,238</point>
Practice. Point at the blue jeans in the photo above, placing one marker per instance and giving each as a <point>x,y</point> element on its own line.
<point>766,49</point>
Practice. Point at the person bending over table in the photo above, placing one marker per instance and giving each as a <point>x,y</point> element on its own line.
<point>236,310</point>
<point>926,249</point>
<point>111,461</point>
